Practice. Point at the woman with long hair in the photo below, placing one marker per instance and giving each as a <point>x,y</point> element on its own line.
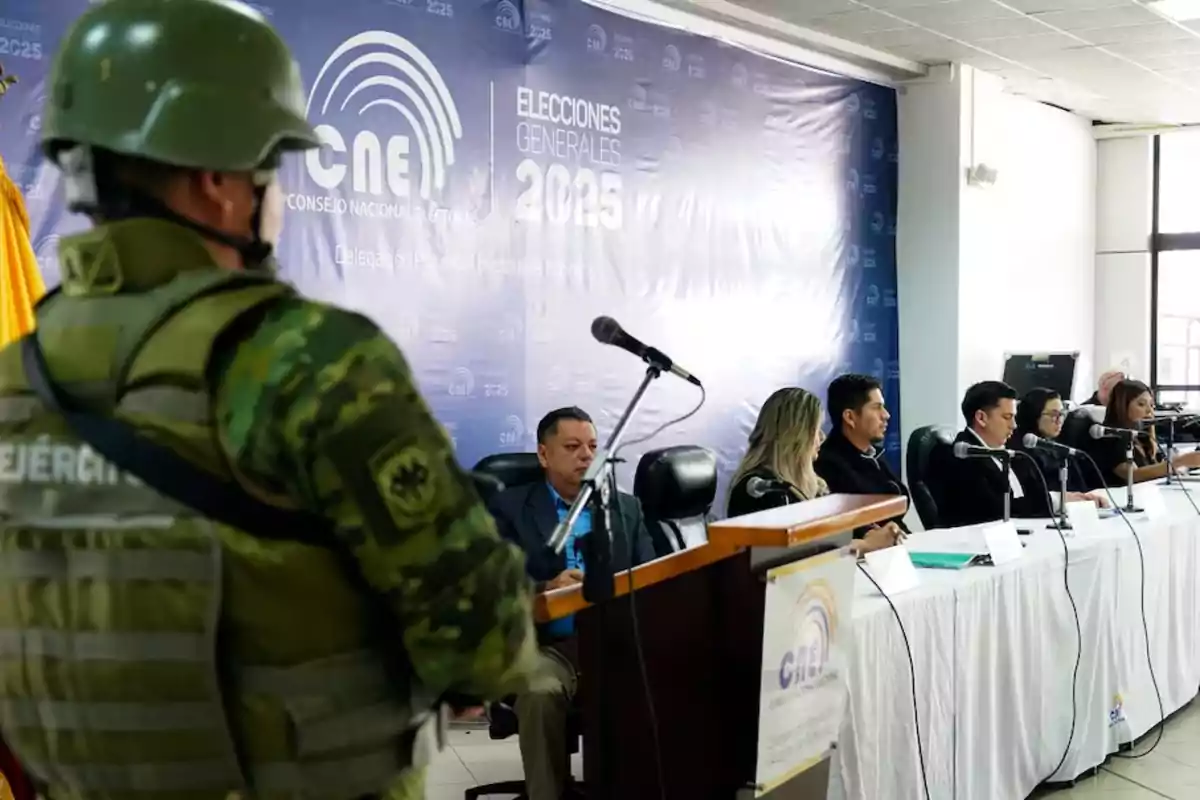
<point>1131,404</point>
<point>781,451</point>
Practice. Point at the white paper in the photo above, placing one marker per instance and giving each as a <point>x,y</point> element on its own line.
<point>1084,518</point>
<point>893,570</point>
<point>1003,543</point>
<point>804,693</point>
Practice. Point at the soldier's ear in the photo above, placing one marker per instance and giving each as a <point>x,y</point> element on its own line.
<point>541,454</point>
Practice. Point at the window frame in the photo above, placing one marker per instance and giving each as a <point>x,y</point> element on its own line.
<point>1163,243</point>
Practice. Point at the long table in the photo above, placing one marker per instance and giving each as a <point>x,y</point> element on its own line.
<point>994,649</point>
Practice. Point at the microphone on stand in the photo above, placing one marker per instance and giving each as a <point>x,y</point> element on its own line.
<point>607,330</point>
<point>964,450</point>
<point>758,487</point>
<point>1105,432</point>
<point>1032,440</point>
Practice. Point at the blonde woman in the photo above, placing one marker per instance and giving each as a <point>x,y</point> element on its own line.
<point>778,466</point>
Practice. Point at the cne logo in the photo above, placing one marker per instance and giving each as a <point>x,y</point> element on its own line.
<point>379,69</point>
<point>462,383</point>
<point>816,623</point>
<point>514,431</point>
<point>740,76</point>
<point>508,17</point>
<point>873,295</point>
<point>672,58</point>
<point>597,39</point>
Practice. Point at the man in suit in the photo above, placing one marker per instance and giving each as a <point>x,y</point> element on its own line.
<point>527,515</point>
<point>850,460</point>
<point>971,491</point>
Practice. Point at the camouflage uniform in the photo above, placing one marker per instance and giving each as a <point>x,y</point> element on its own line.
<point>147,651</point>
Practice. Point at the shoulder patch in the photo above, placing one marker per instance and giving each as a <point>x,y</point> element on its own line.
<point>407,481</point>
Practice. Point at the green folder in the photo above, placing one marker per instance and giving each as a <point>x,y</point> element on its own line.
<point>944,560</point>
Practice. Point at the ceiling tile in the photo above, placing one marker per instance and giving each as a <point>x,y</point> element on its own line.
<point>1091,19</point>
<point>849,23</point>
<point>798,12</point>
<point>938,52</point>
<point>1132,34</point>
<point>910,36</point>
<point>1046,6</point>
<point>1137,49</point>
<point>990,29</point>
<point>958,12</point>
<point>895,5</point>
<point>1022,46</point>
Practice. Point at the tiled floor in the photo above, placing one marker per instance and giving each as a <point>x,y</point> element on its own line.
<point>1172,771</point>
<point>472,759</point>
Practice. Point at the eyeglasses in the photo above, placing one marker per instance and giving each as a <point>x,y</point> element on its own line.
<point>1054,416</point>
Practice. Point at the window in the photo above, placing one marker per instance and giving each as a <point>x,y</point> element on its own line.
<point>1178,179</point>
<point>1175,270</point>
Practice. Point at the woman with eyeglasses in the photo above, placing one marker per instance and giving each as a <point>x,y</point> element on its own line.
<point>1041,413</point>
<point>1131,405</point>
<point>781,452</point>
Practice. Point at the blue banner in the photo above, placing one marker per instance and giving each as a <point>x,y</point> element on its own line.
<point>498,173</point>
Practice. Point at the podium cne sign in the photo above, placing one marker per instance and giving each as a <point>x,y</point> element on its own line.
<point>804,691</point>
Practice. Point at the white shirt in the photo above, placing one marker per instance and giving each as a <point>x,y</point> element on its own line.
<point>1013,482</point>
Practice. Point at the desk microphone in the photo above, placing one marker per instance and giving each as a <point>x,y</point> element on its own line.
<point>758,487</point>
<point>964,450</point>
<point>607,330</point>
<point>1105,432</point>
<point>1032,440</point>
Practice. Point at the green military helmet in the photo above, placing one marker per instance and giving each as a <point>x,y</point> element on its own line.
<point>204,84</point>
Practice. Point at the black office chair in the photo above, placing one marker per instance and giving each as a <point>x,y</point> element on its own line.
<point>511,469</point>
<point>921,446</point>
<point>677,486</point>
<point>1077,427</point>
<point>488,486</point>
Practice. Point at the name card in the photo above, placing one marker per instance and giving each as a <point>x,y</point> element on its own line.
<point>1084,518</point>
<point>1003,543</point>
<point>893,570</point>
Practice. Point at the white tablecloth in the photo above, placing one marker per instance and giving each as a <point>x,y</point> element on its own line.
<point>994,649</point>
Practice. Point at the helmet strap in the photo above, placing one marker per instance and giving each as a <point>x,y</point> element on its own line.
<point>93,189</point>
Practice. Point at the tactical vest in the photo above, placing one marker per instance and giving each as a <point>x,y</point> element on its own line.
<point>146,651</point>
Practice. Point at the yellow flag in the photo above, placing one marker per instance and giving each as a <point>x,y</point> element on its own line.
<point>21,283</point>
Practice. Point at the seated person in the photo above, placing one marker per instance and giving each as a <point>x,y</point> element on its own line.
<point>782,449</point>
<point>1131,403</point>
<point>850,461</point>
<point>971,491</point>
<point>527,515</point>
<point>1104,387</point>
<point>1040,412</point>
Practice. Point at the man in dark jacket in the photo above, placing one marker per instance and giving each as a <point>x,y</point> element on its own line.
<point>972,491</point>
<point>527,515</point>
<point>850,460</point>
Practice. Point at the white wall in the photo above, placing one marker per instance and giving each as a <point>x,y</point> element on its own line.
<point>985,271</point>
<point>1027,252</point>
<point>1123,207</point>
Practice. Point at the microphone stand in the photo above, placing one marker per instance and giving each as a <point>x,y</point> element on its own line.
<point>1171,452</point>
<point>597,492</point>
<point>1064,475</point>
<point>1131,465</point>
<point>1007,461</point>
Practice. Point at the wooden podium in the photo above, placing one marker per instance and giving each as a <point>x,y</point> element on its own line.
<point>699,613</point>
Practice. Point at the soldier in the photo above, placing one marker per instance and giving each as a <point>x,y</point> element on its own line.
<point>149,647</point>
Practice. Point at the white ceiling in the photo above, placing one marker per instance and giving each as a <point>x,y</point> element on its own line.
<point>1110,60</point>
